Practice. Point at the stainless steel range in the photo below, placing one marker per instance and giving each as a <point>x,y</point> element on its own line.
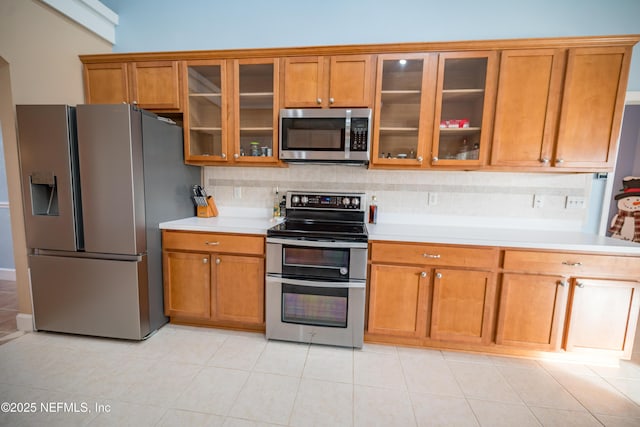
<point>317,270</point>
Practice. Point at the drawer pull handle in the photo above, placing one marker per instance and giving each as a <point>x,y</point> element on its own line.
<point>212,243</point>
<point>423,274</point>
<point>436,256</point>
<point>572,264</point>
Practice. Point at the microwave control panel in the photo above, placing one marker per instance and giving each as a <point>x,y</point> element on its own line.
<point>359,134</point>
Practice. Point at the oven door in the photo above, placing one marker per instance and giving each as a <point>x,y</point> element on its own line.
<point>319,312</point>
<point>317,260</point>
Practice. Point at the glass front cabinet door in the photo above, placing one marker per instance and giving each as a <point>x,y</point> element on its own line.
<point>255,110</point>
<point>205,111</point>
<point>404,110</point>
<point>464,108</point>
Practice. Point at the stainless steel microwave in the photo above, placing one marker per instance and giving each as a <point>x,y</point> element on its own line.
<point>335,135</point>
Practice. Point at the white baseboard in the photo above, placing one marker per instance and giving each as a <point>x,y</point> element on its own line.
<point>24,322</point>
<point>8,274</point>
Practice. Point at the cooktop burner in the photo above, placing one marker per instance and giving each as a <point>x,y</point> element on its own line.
<point>323,216</point>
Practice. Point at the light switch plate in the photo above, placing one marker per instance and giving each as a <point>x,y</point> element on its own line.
<point>575,202</point>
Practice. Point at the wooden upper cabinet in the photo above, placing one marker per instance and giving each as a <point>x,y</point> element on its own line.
<point>592,106</point>
<point>153,85</point>
<point>527,106</point>
<point>464,106</point>
<point>106,83</point>
<point>334,81</point>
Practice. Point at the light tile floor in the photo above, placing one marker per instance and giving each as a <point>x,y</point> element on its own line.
<point>185,376</point>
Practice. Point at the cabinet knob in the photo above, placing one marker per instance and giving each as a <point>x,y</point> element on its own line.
<point>559,161</point>
<point>331,100</point>
<point>580,284</point>
<point>205,260</point>
<point>319,101</point>
<point>438,275</point>
<point>224,155</point>
<point>218,261</point>
<point>135,102</point>
<point>419,159</point>
<point>562,283</point>
<point>236,155</point>
<point>544,160</point>
<point>423,274</point>
<point>435,159</point>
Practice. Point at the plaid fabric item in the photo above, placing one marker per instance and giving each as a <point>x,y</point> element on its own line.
<point>617,226</point>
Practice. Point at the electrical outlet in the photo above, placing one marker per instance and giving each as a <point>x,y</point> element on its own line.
<point>433,199</point>
<point>237,192</point>
<point>538,201</point>
<point>575,202</point>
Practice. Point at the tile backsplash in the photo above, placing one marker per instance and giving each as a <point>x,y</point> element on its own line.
<point>488,199</point>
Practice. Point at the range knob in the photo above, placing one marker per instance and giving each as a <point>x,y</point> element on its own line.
<point>355,201</point>
<point>346,201</point>
<point>295,200</point>
<point>304,200</point>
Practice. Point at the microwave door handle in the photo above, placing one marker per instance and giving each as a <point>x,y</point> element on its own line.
<point>347,134</point>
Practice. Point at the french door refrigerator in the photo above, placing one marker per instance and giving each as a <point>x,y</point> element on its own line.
<point>97,180</point>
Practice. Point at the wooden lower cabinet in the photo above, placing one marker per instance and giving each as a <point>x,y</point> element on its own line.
<point>603,316</point>
<point>214,288</point>
<point>398,297</point>
<point>462,307</point>
<point>187,279</point>
<point>532,311</point>
<point>239,290</point>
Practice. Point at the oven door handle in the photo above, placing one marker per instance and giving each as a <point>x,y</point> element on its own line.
<point>317,243</point>
<point>318,284</point>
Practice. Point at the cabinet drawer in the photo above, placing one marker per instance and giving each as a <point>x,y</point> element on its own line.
<point>421,254</point>
<point>213,242</point>
<point>572,264</point>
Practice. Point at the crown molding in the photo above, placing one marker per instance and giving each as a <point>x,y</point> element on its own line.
<point>91,14</point>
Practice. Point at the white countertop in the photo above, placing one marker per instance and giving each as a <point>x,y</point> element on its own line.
<point>258,221</point>
<point>514,238</point>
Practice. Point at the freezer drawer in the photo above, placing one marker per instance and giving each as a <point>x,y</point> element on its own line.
<point>87,296</point>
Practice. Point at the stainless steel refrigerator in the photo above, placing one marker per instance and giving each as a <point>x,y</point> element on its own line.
<point>97,180</point>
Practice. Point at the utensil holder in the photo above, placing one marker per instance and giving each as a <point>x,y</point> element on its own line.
<point>207,211</point>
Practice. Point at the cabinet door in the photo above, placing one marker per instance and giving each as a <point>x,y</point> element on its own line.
<point>106,83</point>
<point>465,100</point>
<point>238,290</point>
<point>527,107</point>
<point>155,85</point>
<point>398,298</point>
<point>403,110</point>
<point>531,311</point>
<point>603,317</point>
<point>187,278</point>
<point>592,105</point>
<point>304,82</point>
<point>255,118</point>
<point>463,303</point>
<point>205,115</point>
<point>350,81</point>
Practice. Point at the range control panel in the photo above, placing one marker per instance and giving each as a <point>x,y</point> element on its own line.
<point>329,201</point>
